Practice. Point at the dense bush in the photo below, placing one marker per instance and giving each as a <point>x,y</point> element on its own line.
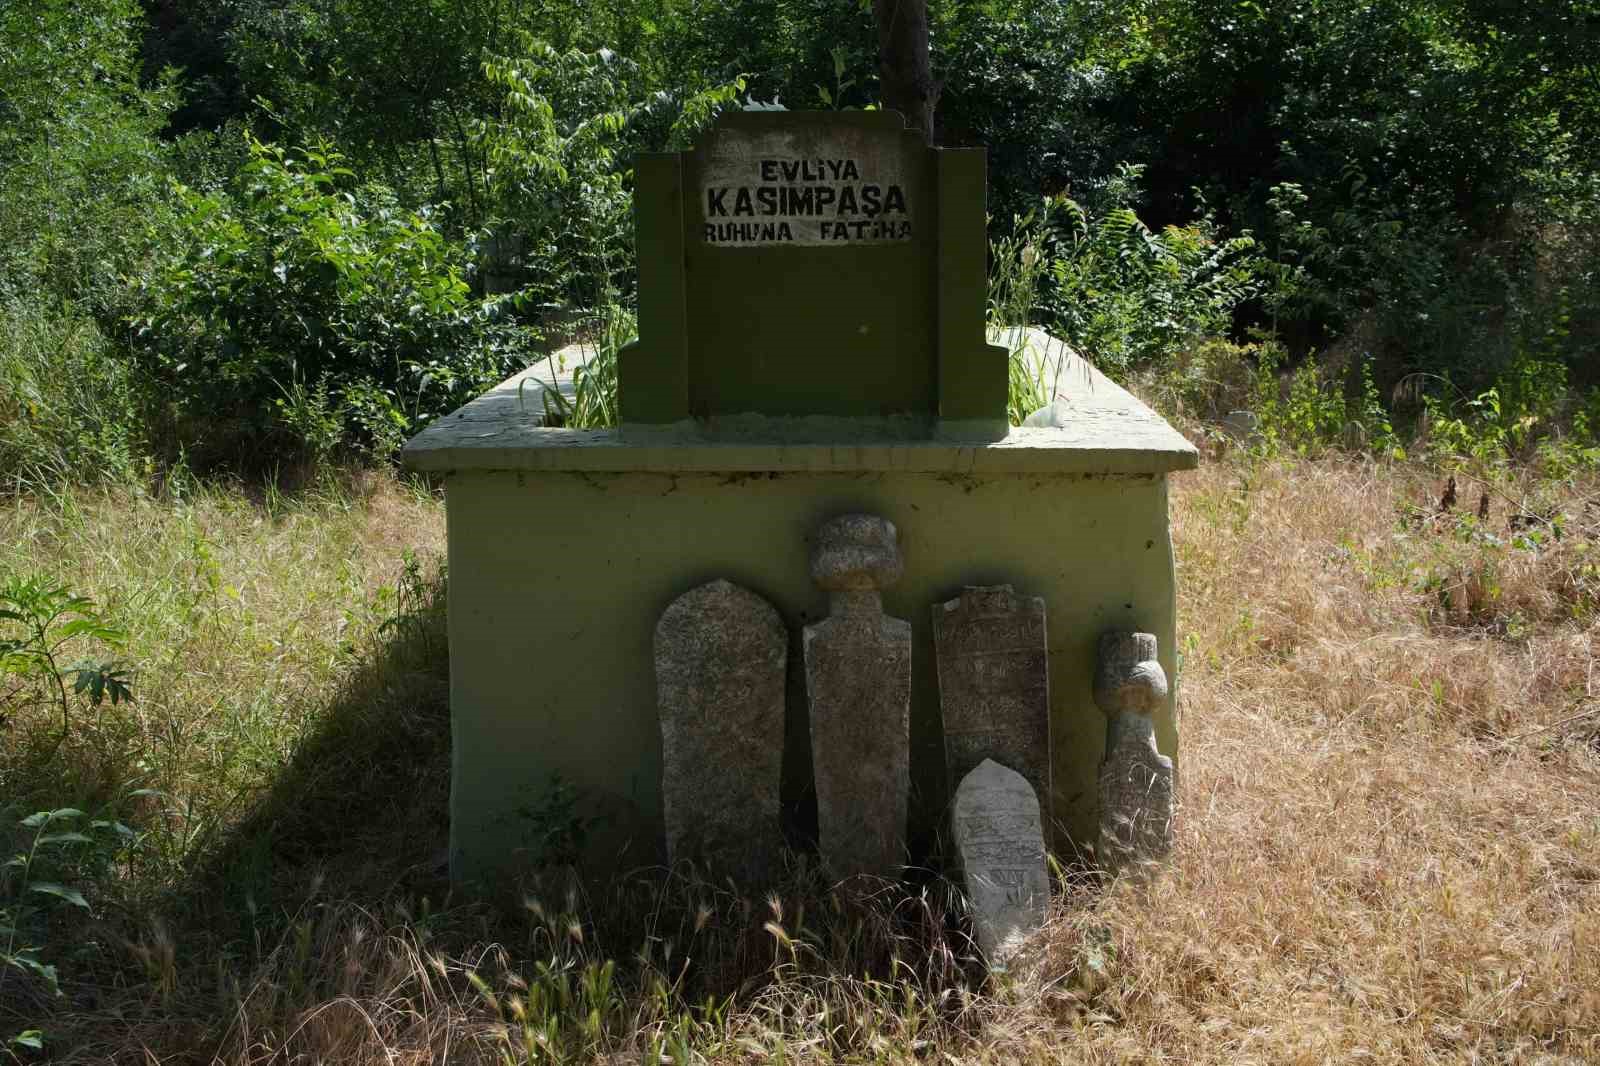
<point>309,307</point>
<point>342,216</point>
<point>69,408</point>
<point>82,172</point>
<point>1117,291</point>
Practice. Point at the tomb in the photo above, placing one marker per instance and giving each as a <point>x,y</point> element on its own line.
<point>789,373</point>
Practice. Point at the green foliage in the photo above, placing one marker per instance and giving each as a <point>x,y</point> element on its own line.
<point>81,171</point>
<point>1017,268</point>
<point>1527,414</point>
<point>1020,81</point>
<point>286,307</point>
<point>555,188</point>
<point>1308,416</point>
<point>21,910</point>
<point>1118,292</point>
<point>305,298</point>
<point>549,170</point>
<point>39,619</point>
<point>594,395</point>
<point>554,826</point>
<point>69,406</point>
<point>34,885</point>
<point>1352,137</point>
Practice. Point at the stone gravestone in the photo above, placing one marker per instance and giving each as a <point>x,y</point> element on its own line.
<point>720,654</point>
<point>794,251</point>
<point>1135,778</point>
<point>858,683</point>
<point>994,683</point>
<point>1000,842</point>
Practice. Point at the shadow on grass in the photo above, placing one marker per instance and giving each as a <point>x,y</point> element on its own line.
<point>360,811</point>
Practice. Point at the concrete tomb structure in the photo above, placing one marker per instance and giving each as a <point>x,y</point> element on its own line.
<point>811,345</point>
<point>994,821</point>
<point>994,683</point>
<point>1135,778</point>
<point>858,678</point>
<point>720,654</point>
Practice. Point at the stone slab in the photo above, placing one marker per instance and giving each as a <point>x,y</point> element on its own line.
<point>720,654</point>
<point>994,821</point>
<point>1106,431</point>
<point>788,251</point>
<point>858,685</point>
<point>994,683</point>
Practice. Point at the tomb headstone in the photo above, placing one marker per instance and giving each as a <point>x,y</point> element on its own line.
<point>1135,778</point>
<point>994,683</point>
<point>720,653</point>
<point>791,251</point>
<point>995,823</point>
<point>858,683</point>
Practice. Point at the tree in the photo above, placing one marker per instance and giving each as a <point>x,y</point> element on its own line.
<point>904,71</point>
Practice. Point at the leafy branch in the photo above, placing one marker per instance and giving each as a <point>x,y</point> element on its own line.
<point>50,617</point>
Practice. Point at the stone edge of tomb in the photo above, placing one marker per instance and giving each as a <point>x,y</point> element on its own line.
<point>1105,430</point>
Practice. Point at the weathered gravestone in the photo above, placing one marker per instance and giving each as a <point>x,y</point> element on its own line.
<point>858,682</point>
<point>824,269</point>
<point>1135,778</point>
<point>995,822</point>
<point>720,654</point>
<point>994,683</point>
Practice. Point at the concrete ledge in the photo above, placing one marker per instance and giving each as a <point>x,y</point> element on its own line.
<point>1103,430</point>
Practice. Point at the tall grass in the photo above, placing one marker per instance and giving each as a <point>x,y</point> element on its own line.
<point>1388,849</point>
<point>68,410</point>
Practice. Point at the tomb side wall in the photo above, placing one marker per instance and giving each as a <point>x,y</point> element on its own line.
<point>557,579</point>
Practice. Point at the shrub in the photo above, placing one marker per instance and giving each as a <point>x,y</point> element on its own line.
<point>69,410</point>
<point>1121,294</point>
<point>305,301</point>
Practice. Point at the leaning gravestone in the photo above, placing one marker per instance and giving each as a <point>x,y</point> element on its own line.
<point>998,838</point>
<point>720,654</point>
<point>994,683</point>
<point>858,681</point>
<point>1135,778</point>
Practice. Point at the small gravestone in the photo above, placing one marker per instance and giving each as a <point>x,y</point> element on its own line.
<point>858,682</point>
<point>1135,778</point>
<point>1000,843</point>
<point>720,653</point>
<point>994,683</point>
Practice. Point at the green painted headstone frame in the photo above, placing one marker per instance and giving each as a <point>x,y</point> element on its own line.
<point>799,270</point>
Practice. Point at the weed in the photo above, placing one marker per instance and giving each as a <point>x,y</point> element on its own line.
<point>49,618</point>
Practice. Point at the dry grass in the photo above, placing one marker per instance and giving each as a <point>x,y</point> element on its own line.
<point>1389,839</point>
<point>1390,848</point>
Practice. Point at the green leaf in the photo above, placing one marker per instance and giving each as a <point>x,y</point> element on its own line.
<point>65,838</point>
<point>34,821</point>
<point>50,888</point>
<point>29,1038</point>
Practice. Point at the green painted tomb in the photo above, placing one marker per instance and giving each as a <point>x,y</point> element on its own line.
<point>811,344</point>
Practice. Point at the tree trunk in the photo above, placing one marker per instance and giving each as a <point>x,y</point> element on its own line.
<point>904,71</point>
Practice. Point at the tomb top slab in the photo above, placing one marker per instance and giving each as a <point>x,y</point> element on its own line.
<point>1101,428</point>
